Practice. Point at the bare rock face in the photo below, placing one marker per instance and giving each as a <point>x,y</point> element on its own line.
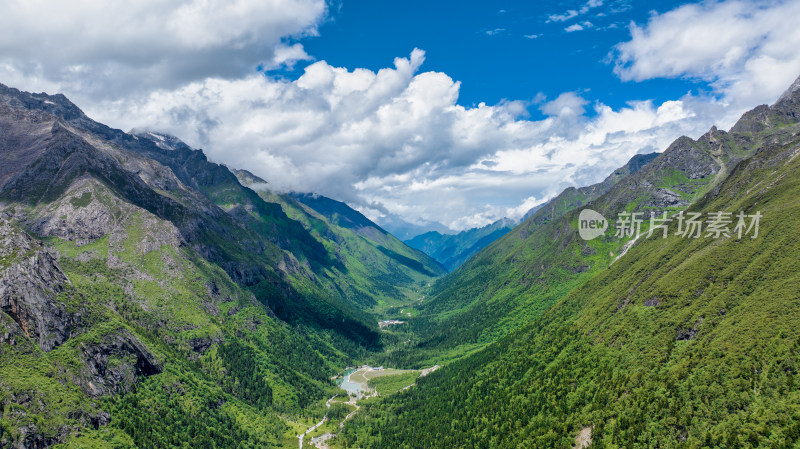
<point>31,438</point>
<point>30,284</point>
<point>81,218</point>
<point>114,364</point>
<point>685,156</point>
<point>753,121</point>
<point>664,198</point>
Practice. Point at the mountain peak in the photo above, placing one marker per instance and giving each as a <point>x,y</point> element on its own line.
<point>712,137</point>
<point>162,140</point>
<point>792,91</point>
<point>247,178</point>
<point>787,108</point>
<point>57,105</point>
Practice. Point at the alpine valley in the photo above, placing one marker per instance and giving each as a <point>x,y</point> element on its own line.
<point>151,298</point>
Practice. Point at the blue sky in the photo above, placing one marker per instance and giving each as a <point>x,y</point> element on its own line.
<point>422,115</point>
<point>489,46</point>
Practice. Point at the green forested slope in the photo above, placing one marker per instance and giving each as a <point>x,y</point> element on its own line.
<point>148,299</point>
<point>681,342</point>
<point>154,343</point>
<point>373,269</point>
<point>524,273</point>
<point>519,276</point>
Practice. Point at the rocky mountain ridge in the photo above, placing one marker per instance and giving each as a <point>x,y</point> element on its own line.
<point>134,270</point>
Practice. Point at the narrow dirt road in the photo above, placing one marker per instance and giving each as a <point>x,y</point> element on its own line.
<point>352,402</point>
<point>315,426</point>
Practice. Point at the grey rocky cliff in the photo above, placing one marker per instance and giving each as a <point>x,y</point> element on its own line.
<point>30,287</point>
<point>82,218</point>
<point>114,365</point>
<point>40,311</point>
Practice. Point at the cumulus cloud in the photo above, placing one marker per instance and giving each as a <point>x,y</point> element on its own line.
<point>747,50</point>
<point>105,49</point>
<point>396,142</point>
<point>568,104</point>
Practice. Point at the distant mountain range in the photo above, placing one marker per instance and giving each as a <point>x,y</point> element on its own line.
<point>452,250</point>
<point>404,230</point>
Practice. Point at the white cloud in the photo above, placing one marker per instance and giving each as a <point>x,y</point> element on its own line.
<point>747,50</point>
<point>568,104</point>
<point>571,13</point>
<point>574,27</point>
<point>396,142</point>
<point>287,56</point>
<point>526,205</point>
<point>103,49</point>
<point>591,4</point>
<point>563,17</point>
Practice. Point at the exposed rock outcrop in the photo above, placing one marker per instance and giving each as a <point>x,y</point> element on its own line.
<point>115,364</point>
<point>82,219</point>
<point>30,287</point>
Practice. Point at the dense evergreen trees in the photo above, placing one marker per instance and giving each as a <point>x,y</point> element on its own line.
<point>245,378</point>
<point>681,343</point>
